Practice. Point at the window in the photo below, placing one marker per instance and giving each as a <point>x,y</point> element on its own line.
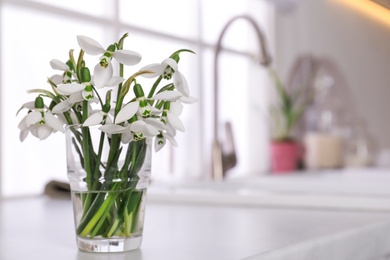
<point>34,32</point>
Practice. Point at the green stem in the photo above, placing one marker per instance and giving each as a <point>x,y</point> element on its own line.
<point>101,213</point>
<point>153,89</point>
<point>86,145</point>
<point>133,208</point>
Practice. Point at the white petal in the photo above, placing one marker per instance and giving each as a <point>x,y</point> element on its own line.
<point>127,112</point>
<point>157,68</point>
<point>53,122</point>
<point>171,63</point>
<point>57,79</point>
<point>75,97</point>
<point>113,129</point>
<point>33,118</point>
<point>154,110</point>
<point>181,83</point>
<point>68,89</point>
<point>159,143</point>
<point>175,121</point>
<point>176,108</point>
<point>43,132</point>
<point>102,75</point>
<point>22,125</point>
<point>167,96</point>
<point>58,65</point>
<point>127,57</point>
<point>108,120</point>
<point>89,45</point>
<point>94,119</point>
<point>29,105</point>
<point>61,107</point>
<point>156,123</point>
<point>170,130</point>
<point>170,138</point>
<point>138,126</point>
<point>151,131</point>
<point>127,137</point>
<point>23,134</point>
<point>114,81</point>
<point>34,130</point>
<point>188,100</point>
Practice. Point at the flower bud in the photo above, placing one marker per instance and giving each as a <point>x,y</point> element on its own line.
<point>39,102</point>
<point>85,75</point>
<point>108,97</point>
<point>70,64</point>
<point>106,108</point>
<point>138,91</point>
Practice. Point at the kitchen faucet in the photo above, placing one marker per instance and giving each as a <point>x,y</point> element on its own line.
<point>224,158</point>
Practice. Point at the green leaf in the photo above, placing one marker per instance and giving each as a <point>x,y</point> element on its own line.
<point>44,92</point>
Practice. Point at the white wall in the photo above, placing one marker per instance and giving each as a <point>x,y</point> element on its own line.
<point>359,44</point>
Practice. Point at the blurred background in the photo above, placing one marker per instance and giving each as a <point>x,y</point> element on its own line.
<point>351,35</point>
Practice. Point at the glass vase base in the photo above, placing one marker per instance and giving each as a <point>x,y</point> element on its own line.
<point>109,245</point>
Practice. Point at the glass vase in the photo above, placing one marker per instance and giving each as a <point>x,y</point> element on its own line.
<point>108,180</point>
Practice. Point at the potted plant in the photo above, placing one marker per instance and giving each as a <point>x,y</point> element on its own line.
<point>286,110</point>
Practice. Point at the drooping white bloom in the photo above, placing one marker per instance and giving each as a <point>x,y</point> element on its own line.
<point>76,93</point>
<point>171,116</point>
<point>66,75</point>
<point>96,118</point>
<point>161,140</point>
<point>130,109</point>
<point>142,128</point>
<point>40,123</point>
<point>168,68</point>
<point>103,71</point>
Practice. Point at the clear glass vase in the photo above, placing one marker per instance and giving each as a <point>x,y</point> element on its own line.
<point>108,180</point>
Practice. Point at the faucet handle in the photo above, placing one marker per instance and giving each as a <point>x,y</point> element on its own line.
<point>224,156</point>
<point>229,158</point>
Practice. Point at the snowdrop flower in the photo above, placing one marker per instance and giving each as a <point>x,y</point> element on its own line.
<point>137,129</point>
<point>38,122</point>
<point>67,73</point>
<point>171,113</point>
<point>76,92</point>
<point>100,116</point>
<point>97,117</point>
<point>168,69</point>
<point>103,71</point>
<point>161,140</point>
<point>141,106</point>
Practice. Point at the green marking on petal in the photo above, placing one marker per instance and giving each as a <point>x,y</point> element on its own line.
<point>104,63</point>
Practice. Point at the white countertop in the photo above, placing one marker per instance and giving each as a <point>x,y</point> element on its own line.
<point>42,228</point>
<point>347,189</point>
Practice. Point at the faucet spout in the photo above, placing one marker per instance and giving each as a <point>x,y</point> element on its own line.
<point>222,160</point>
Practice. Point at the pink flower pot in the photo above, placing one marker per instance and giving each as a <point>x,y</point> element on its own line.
<point>284,156</point>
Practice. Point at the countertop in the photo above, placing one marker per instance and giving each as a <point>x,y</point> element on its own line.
<point>42,228</point>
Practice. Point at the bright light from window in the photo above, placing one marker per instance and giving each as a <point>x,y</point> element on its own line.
<point>49,30</point>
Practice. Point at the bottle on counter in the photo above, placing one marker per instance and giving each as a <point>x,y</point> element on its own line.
<point>324,143</point>
<point>360,149</point>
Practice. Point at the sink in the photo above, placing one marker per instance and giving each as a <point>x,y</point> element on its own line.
<point>347,189</point>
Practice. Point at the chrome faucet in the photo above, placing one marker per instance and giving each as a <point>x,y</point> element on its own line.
<point>224,158</point>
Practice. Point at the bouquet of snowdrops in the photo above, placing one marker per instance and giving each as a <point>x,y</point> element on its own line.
<point>78,99</point>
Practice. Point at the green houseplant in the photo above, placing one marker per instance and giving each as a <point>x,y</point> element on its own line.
<point>286,112</point>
